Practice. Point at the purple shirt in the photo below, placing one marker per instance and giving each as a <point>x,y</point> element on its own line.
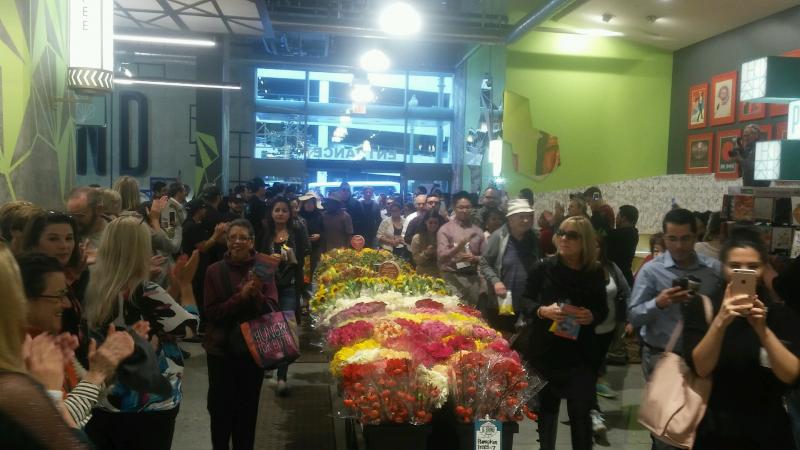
<point>447,239</point>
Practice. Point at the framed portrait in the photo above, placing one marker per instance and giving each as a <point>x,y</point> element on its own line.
<point>724,165</point>
<point>751,111</point>
<point>781,130</point>
<point>699,149</point>
<point>698,106</point>
<point>723,91</point>
<point>766,133</point>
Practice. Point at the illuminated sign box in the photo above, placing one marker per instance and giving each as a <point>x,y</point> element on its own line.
<point>793,129</point>
<point>771,79</point>
<point>91,45</point>
<point>777,160</point>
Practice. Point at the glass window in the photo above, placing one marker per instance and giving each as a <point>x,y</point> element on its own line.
<point>428,91</point>
<point>280,137</point>
<point>390,89</point>
<point>356,139</point>
<point>429,141</point>
<point>329,87</point>
<point>278,84</point>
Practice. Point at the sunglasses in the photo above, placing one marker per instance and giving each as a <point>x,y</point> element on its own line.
<point>570,235</point>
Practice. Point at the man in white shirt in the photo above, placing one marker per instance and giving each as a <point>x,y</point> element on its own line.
<point>421,205</point>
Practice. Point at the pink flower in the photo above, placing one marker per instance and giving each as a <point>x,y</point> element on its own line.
<point>349,334</point>
<point>429,303</point>
<point>458,343</point>
<point>437,330</point>
<point>481,333</point>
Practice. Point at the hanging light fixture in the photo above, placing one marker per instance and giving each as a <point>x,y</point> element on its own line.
<point>374,61</point>
<point>400,19</point>
<point>91,45</point>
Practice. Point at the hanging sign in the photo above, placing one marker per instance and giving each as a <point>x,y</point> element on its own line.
<point>488,434</point>
<point>91,45</point>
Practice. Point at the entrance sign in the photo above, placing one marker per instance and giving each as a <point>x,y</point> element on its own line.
<point>91,45</point>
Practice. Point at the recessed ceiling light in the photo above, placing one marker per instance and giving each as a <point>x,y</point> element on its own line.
<point>400,19</point>
<point>374,61</point>
<point>191,84</point>
<point>599,32</point>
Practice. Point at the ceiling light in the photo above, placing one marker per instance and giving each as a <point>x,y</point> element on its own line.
<point>374,61</point>
<point>165,40</point>
<point>193,84</point>
<point>599,32</point>
<point>362,93</point>
<point>607,17</point>
<point>400,19</point>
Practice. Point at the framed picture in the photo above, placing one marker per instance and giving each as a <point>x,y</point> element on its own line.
<point>781,130</point>
<point>698,153</point>
<point>725,166</point>
<point>698,106</point>
<point>751,111</point>
<point>766,133</point>
<point>723,106</point>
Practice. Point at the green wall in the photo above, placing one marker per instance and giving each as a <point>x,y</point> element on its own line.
<point>37,133</point>
<point>607,100</point>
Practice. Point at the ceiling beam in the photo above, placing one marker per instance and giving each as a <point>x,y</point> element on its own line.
<point>172,14</point>
<point>266,23</point>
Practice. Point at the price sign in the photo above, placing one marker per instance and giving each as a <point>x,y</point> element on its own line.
<point>357,242</point>
<point>488,434</point>
<point>389,269</point>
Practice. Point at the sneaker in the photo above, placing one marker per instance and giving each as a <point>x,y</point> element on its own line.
<point>283,389</point>
<point>268,373</point>
<point>605,391</point>
<point>598,422</point>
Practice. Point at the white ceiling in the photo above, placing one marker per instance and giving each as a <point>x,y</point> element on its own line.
<point>681,22</point>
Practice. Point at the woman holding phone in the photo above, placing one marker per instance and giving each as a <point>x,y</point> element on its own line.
<point>236,290</point>
<point>287,242</point>
<point>750,351</point>
<point>565,298</point>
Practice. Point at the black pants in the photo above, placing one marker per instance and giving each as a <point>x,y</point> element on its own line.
<point>234,389</point>
<point>132,431</point>
<point>580,422</point>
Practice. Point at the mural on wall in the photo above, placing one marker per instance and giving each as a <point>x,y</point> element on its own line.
<point>535,161</point>
<point>208,164</point>
<point>37,133</point>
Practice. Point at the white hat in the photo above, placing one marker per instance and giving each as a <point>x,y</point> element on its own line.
<point>309,196</point>
<point>518,206</point>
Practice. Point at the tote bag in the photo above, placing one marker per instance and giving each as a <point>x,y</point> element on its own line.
<point>675,399</point>
<point>272,339</point>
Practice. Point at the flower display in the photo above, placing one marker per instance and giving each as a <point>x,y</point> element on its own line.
<point>403,346</point>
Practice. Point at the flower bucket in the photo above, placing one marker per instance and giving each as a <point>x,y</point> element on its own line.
<point>396,436</point>
<point>466,435</point>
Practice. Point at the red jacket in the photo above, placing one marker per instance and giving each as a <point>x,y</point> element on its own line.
<point>224,312</point>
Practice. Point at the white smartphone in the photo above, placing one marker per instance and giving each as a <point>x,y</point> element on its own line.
<point>743,282</point>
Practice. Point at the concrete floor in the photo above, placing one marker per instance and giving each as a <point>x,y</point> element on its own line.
<point>192,429</point>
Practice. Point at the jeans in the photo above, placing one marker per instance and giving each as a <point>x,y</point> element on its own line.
<point>287,302</point>
<point>650,357</point>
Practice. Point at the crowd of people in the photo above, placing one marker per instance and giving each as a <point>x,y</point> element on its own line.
<point>97,298</point>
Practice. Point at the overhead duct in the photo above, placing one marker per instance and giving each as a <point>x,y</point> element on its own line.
<point>536,18</point>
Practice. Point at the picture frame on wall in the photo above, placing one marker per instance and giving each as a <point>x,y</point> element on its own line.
<point>723,106</point>
<point>699,150</point>
<point>698,106</point>
<point>766,132</point>
<point>751,111</point>
<point>781,130</point>
<point>724,165</point>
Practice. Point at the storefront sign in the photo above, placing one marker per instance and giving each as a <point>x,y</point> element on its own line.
<point>354,154</point>
<point>793,132</point>
<point>91,45</point>
<point>357,242</point>
<point>389,269</point>
<point>488,435</point>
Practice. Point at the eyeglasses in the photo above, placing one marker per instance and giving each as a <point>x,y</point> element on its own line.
<point>569,235</point>
<point>235,239</point>
<point>683,239</point>
<point>62,295</point>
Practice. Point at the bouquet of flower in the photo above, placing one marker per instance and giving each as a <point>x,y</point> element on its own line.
<point>367,258</point>
<point>405,284</point>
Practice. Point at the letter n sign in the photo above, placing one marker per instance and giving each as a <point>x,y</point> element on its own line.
<point>128,136</point>
<point>90,141</point>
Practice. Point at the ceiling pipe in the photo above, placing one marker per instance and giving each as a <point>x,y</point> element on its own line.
<point>535,18</point>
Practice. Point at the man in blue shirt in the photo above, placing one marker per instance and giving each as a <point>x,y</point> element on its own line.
<point>655,304</point>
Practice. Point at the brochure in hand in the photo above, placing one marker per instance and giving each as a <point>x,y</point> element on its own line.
<point>569,327</point>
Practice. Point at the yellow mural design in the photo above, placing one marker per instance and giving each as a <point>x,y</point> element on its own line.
<point>206,161</point>
<point>533,153</point>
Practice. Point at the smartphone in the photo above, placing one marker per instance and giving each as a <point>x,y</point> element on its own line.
<point>743,282</point>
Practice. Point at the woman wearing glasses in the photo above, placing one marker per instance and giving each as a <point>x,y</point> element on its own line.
<point>564,299</point>
<point>237,289</point>
<point>120,293</point>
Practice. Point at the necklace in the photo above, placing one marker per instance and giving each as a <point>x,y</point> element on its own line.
<point>281,236</point>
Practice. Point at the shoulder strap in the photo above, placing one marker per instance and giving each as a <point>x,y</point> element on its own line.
<point>225,273</point>
<point>708,311</point>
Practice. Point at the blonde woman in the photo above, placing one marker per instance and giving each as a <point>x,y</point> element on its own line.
<point>119,293</point>
<point>128,189</point>
<point>564,299</point>
<point>112,203</point>
<point>28,418</point>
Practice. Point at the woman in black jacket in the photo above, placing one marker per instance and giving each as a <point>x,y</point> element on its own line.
<point>287,240</point>
<point>564,300</point>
